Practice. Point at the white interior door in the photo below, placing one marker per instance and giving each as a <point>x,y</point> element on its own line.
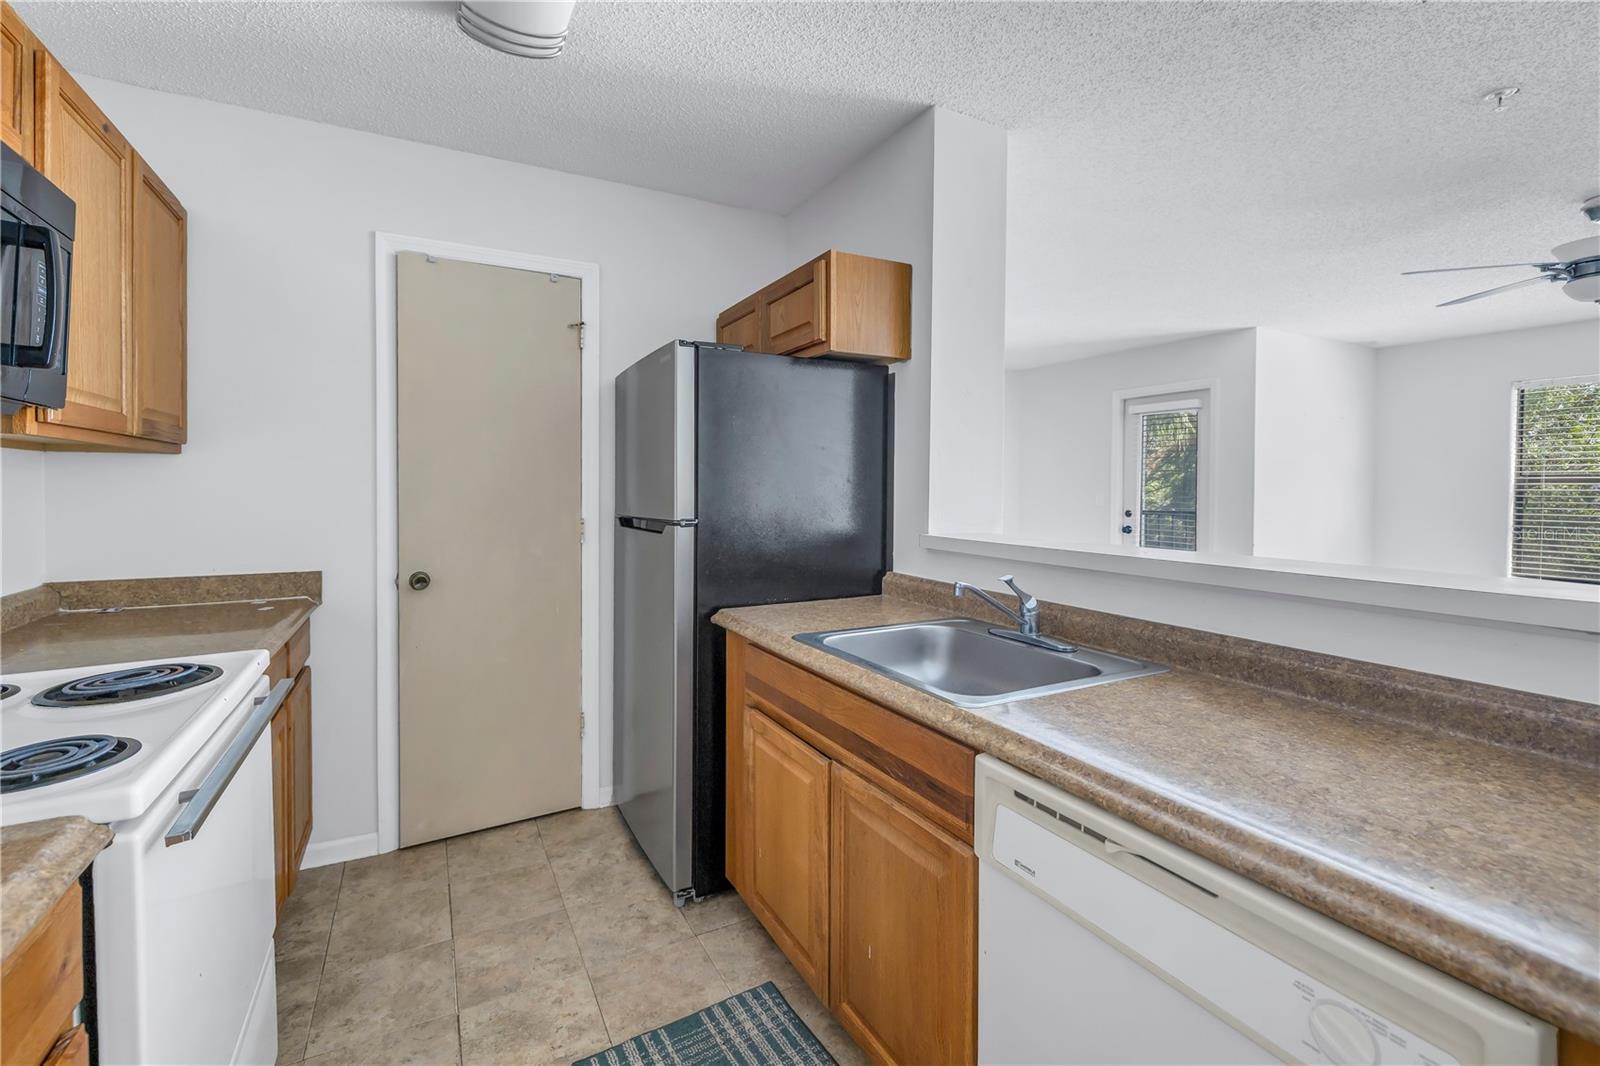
<point>489,481</point>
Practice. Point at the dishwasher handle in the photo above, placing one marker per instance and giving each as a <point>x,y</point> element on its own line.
<point>1113,849</point>
<point>198,803</point>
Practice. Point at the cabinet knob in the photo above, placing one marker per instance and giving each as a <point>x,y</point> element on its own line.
<point>420,580</point>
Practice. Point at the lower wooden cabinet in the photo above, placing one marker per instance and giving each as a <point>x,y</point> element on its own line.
<point>282,787</point>
<point>299,705</point>
<point>787,800</point>
<point>849,838</point>
<point>903,928</point>
<point>291,762</point>
<point>41,984</point>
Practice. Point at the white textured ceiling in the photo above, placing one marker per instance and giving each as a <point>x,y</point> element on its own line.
<point>1175,167</point>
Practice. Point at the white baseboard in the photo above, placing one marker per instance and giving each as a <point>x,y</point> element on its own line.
<point>328,852</point>
<point>600,797</point>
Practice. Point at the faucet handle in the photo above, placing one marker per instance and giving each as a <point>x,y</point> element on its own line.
<point>1025,600</point>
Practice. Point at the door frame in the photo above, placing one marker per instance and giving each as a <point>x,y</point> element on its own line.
<point>386,531</point>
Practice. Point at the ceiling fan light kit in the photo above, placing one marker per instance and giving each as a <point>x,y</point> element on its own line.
<point>1575,265</point>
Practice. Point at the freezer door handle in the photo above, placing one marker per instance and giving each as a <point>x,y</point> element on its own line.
<point>654,525</point>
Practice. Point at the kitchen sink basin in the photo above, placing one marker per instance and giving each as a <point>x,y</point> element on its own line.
<point>965,662</point>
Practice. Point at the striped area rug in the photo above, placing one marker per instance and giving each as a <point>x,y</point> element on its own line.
<point>754,1028</point>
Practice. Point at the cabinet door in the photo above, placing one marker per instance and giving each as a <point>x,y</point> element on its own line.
<point>904,936</point>
<point>796,309</point>
<point>786,810</point>
<point>300,769</point>
<point>282,792</point>
<point>744,331</point>
<point>83,153</point>
<point>17,49</point>
<point>160,288</point>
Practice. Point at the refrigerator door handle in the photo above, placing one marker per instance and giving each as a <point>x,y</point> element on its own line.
<point>654,525</point>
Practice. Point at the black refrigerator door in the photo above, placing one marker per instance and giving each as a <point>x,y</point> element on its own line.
<point>793,494</point>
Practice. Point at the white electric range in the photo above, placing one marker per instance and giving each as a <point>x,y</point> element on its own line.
<point>173,755</point>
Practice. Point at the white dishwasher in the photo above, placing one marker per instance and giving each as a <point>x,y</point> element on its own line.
<point>1101,943</point>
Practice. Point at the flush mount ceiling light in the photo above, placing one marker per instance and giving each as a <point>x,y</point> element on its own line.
<point>536,29</point>
<point>1497,100</point>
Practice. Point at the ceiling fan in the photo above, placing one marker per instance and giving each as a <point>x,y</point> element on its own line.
<point>1576,265</point>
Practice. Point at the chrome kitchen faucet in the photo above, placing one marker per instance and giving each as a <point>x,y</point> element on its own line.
<point>1026,616</point>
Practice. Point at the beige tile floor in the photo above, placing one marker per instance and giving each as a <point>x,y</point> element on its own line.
<point>534,943</point>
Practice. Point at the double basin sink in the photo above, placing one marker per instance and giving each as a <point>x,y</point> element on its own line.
<point>974,664</point>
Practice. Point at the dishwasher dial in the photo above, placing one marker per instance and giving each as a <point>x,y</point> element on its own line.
<point>1340,1034</point>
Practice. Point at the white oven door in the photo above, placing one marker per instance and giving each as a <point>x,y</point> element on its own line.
<point>183,932</point>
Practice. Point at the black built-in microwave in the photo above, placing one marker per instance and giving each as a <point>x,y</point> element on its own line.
<point>36,232</point>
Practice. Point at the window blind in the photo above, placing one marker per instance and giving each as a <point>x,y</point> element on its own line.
<point>1169,482</point>
<point>1555,510</point>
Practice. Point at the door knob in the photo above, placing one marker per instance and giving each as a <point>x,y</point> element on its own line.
<point>420,580</point>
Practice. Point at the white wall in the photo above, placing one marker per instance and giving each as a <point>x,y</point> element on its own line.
<point>883,206</point>
<point>22,517</point>
<point>967,400</point>
<point>1059,464</point>
<point>1315,412</point>
<point>1444,441</point>
<point>278,474</point>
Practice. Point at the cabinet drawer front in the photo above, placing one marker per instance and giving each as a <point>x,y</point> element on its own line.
<point>931,771</point>
<point>787,793</point>
<point>904,930</point>
<point>796,309</point>
<point>299,647</point>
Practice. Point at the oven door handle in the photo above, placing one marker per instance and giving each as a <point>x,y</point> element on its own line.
<point>198,803</point>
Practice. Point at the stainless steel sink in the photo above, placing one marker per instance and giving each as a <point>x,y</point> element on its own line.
<point>962,660</point>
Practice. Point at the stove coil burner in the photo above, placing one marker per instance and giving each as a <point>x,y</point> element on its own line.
<point>50,761</point>
<point>8,690</point>
<point>125,686</point>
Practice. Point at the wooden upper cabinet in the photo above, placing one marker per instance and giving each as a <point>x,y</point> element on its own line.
<point>160,290</point>
<point>17,49</point>
<point>904,929</point>
<point>795,309</point>
<point>838,304</point>
<point>85,155</point>
<point>127,351</point>
<point>786,804</point>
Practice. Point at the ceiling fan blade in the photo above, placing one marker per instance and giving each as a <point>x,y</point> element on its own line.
<point>1501,288</point>
<point>1491,266</point>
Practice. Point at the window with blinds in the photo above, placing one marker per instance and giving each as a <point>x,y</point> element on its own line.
<point>1169,476</point>
<point>1555,506</point>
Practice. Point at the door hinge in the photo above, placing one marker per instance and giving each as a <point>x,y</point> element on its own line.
<point>583,531</point>
<point>579,327</point>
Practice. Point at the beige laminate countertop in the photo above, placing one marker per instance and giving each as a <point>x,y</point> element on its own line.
<point>96,638</point>
<point>1478,859</point>
<point>39,862</point>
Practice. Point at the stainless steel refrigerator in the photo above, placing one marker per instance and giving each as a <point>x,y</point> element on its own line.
<point>742,478</point>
